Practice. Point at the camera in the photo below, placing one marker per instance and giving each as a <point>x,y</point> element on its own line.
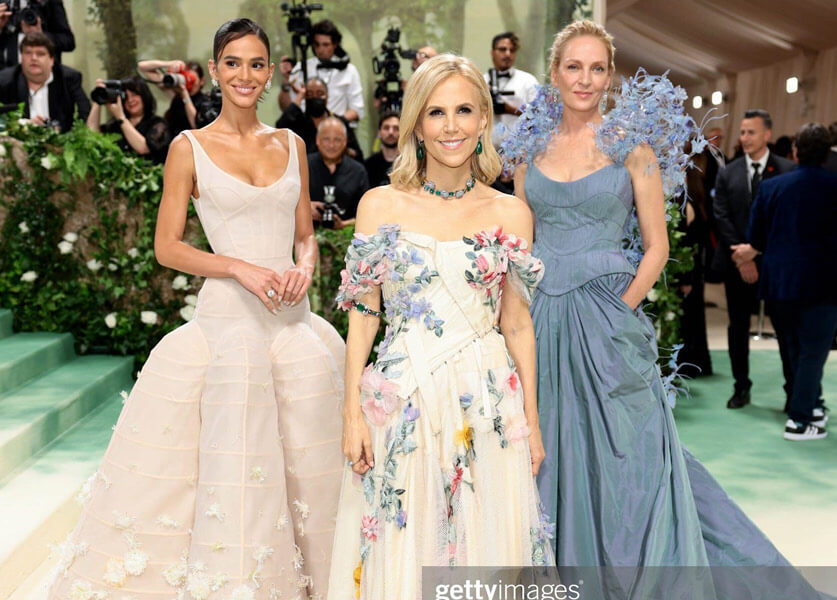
<point>389,65</point>
<point>208,108</point>
<point>28,15</point>
<point>114,88</point>
<point>299,26</point>
<point>185,77</point>
<point>496,93</point>
<point>331,207</point>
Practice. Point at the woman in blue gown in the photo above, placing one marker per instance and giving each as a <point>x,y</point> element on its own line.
<point>621,489</point>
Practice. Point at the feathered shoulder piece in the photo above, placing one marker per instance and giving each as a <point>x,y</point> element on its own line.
<point>648,110</point>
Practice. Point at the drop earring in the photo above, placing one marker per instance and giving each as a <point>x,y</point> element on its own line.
<point>603,103</point>
<point>478,149</point>
<point>214,82</point>
<point>420,150</point>
<point>268,84</point>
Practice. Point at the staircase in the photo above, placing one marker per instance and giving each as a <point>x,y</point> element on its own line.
<point>56,414</point>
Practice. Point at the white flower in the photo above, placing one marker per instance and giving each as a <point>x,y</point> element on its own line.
<point>167,522</point>
<point>191,299</point>
<point>86,490</point>
<point>149,317</point>
<point>133,252</point>
<point>110,320</point>
<point>262,554</point>
<point>65,247</point>
<point>176,574</point>
<point>242,592</point>
<point>29,277</point>
<point>187,312</point>
<point>135,562</point>
<point>112,266</point>
<point>81,590</point>
<point>257,474</point>
<point>24,228</point>
<point>71,236</point>
<point>215,511</point>
<point>114,573</point>
<point>304,581</point>
<point>653,295</point>
<point>197,584</point>
<point>65,553</point>
<point>299,560</point>
<point>124,396</point>
<point>94,264</point>
<point>302,508</point>
<point>670,316</point>
<point>122,520</point>
<point>48,161</point>
<point>2,150</point>
<point>219,580</point>
<point>300,527</point>
<point>180,283</point>
<point>281,522</point>
<point>23,122</point>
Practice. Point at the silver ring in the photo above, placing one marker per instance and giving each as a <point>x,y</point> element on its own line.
<point>271,293</point>
<point>350,462</point>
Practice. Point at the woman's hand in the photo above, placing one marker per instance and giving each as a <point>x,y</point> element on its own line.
<point>115,108</point>
<point>259,281</point>
<point>357,443</point>
<point>297,281</point>
<point>536,448</point>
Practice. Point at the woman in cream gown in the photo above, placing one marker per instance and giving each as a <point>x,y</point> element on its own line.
<point>222,476</point>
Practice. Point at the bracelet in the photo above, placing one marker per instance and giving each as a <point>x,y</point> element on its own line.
<point>362,308</point>
<point>186,100</point>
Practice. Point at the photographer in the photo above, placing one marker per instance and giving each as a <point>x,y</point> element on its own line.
<point>423,54</point>
<point>335,181</point>
<point>510,87</point>
<point>182,82</point>
<point>132,106</point>
<point>19,17</point>
<point>51,93</point>
<point>304,123</point>
<point>330,63</point>
<point>379,164</point>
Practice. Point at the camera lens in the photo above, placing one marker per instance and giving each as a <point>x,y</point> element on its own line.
<point>29,16</point>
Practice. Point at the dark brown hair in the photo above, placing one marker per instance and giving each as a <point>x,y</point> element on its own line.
<point>37,39</point>
<point>235,30</point>
<point>813,143</point>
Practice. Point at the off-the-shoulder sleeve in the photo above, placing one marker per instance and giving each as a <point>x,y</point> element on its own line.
<point>525,271</point>
<point>366,265</point>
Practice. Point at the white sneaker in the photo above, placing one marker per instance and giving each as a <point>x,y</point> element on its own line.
<point>803,433</point>
<point>820,415</point>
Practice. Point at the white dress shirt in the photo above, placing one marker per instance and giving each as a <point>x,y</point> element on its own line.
<point>344,89</point>
<point>39,101</point>
<point>525,87</point>
<point>762,162</point>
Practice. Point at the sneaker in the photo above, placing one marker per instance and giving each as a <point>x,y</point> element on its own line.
<point>796,432</point>
<point>820,416</point>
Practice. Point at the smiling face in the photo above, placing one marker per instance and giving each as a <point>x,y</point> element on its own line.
<point>133,104</point>
<point>754,136</point>
<point>582,74</point>
<point>451,122</point>
<point>242,70</point>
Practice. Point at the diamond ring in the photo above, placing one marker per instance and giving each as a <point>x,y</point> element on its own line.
<point>271,293</point>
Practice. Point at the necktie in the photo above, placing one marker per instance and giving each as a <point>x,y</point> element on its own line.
<point>756,180</point>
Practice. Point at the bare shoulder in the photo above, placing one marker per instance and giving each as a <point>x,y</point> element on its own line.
<point>513,214</point>
<point>180,151</point>
<point>641,158</point>
<point>377,207</point>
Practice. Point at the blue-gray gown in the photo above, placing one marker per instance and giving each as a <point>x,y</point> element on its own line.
<point>616,480</point>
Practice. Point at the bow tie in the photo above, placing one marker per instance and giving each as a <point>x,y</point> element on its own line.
<point>506,74</point>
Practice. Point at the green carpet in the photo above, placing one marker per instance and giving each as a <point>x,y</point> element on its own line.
<point>744,448</point>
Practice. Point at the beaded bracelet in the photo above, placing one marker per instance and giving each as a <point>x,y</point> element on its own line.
<point>361,307</point>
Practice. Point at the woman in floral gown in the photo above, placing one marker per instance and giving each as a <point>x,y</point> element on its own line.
<point>222,476</point>
<point>441,432</point>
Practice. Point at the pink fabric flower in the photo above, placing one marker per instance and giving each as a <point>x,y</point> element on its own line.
<point>369,527</point>
<point>456,479</point>
<point>512,382</point>
<point>378,395</point>
<point>517,428</point>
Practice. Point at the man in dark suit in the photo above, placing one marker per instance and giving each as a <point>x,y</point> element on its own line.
<point>735,187</point>
<point>51,93</point>
<point>51,19</point>
<point>792,222</point>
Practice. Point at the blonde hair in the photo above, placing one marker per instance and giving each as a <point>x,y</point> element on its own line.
<point>407,169</point>
<point>578,29</point>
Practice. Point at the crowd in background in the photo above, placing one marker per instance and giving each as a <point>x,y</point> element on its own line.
<point>765,241</point>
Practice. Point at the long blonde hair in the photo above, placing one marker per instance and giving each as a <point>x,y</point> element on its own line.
<point>407,169</point>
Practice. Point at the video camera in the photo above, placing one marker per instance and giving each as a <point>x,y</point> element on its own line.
<point>389,65</point>
<point>299,26</point>
<point>114,88</point>
<point>28,15</point>
<point>497,93</point>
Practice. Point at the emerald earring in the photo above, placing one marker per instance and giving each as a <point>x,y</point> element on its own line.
<point>420,150</point>
<point>479,146</point>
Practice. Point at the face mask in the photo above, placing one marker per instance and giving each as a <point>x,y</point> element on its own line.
<point>315,107</point>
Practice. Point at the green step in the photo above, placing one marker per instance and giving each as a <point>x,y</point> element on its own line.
<point>27,355</point>
<point>34,415</point>
<point>6,321</point>
<point>37,505</point>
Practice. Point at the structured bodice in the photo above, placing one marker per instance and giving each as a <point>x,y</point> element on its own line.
<point>253,223</point>
<point>580,225</point>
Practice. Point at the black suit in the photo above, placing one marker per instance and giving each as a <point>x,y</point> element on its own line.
<point>731,207</point>
<point>65,94</point>
<point>53,23</point>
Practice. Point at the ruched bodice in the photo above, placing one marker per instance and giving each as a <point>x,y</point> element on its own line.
<point>253,223</point>
<point>580,225</point>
